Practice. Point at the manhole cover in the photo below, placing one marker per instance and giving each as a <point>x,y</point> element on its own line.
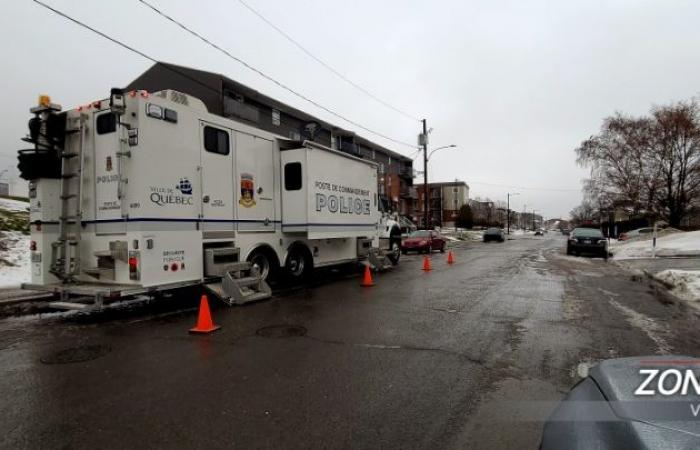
<point>281,331</point>
<point>76,354</point>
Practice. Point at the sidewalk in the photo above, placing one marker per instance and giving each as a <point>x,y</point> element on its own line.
<point>9,296</point>
<point>681,275</point>
<point>654,265</point>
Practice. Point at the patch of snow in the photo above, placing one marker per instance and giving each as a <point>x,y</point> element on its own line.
<point>676,244</point>
<point>649,326</point>
<point>471,235</point>
<point>576,259</point>
<point>684,284</point>
<point>14,259</point>
<point>9,204</point>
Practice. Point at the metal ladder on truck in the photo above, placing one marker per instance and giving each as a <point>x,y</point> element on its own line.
<point>240,281</point>
<point>65,251</point>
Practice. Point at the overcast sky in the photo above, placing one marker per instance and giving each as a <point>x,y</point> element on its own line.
<point>515,84</point>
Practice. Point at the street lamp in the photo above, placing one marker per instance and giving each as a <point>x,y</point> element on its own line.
<point>533,219</point>
<point>508,209</point>
<point>426,157</point>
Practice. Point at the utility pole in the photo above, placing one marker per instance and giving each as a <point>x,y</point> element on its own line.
<point>508,210</point>
<point>426,212</point>
<point>533,220</point>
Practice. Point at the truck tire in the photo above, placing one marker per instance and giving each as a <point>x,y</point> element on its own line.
<point>266,262</point>
<point>299,264</point>
<point>395,248</point>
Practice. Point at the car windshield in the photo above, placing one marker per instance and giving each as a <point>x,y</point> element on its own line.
<point>493,230</point>
<point>588,232</point>
<point>420,234</point>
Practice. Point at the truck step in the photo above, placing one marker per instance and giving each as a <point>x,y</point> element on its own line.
<point>247,281</point>
<point>104,253</point>
<point>100,272</point>
<point>72,306</point>
<point>69,154</point>
<point>67,196</point>
<point>69,175</point>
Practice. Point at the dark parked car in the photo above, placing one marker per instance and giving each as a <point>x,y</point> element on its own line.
<point>587,240</point>
<point>539,233</point>
<point>423,241</point>
<point>494,234</point>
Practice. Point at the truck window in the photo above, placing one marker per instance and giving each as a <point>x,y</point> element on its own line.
<point>106,123</point>
<point>292,176</point>
<point>216,141</point>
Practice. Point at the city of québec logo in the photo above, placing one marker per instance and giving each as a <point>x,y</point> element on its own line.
<point>184,186</point>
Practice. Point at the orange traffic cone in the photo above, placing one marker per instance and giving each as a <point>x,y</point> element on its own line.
<point>204,322</point>
<point>450,258</point>
<point>426,264</point>
<point>367,280</point>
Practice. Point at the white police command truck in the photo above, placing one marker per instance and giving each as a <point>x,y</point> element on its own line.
<point>146,192</point>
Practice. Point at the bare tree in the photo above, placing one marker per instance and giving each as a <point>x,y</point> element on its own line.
<point>646,165</point>
<point>677,159</point>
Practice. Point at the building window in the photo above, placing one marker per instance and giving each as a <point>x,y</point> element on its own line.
<point>374,155</point>
<point>216,141</point>
<point>334,142</point>
<point>295,136</point>
<point>276,117</point>
<point>292,176</point>
<point>455,190</point>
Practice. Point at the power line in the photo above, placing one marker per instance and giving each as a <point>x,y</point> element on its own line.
<point>150,58</point>
<point>323,63</point>
<point>154,60</point>
<point>526,187</point>
<point>262,74</point>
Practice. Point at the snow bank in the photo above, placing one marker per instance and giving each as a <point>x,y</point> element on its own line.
<point>684,284</point>
<point>9,204</point>
<point>14,259</point>
<point>676,244</point>
<point>472,235</point>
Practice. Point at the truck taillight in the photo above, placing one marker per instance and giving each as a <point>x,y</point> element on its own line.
<point>32,246</point>
<point>134,269</point>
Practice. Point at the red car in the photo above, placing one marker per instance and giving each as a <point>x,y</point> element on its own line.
<point>423,241</point>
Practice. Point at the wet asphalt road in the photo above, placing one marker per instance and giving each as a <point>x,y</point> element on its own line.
<point>421,360</point>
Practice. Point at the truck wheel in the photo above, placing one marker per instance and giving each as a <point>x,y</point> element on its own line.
<point>267,264</point>
<point>395,251</point>
<point>299,264</point>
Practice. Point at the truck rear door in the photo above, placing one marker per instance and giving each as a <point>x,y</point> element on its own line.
<point>108,205</point>
<point>255,183</point>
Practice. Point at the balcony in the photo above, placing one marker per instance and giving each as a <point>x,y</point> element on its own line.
<point>406,172</point>
<point>351,148</point>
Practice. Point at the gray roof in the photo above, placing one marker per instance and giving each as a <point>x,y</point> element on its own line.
<point>209,87</point>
